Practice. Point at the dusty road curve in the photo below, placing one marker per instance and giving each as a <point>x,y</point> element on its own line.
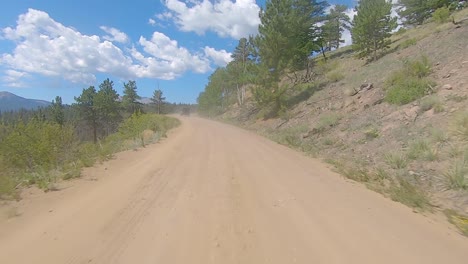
<point>212,193</point>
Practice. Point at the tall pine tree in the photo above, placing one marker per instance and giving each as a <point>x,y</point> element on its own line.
<point>372,27</point>
<point>130,98</point>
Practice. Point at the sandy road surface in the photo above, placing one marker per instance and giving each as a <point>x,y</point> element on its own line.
<point>212,193</point>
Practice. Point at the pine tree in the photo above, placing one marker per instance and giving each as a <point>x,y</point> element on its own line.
<point>337,21</point>
<point>130,98</point>
<point>85,103</point>
<point>108,106</point>
<point>372,27</point>
<point>417,11</point>
<point>57,111</point>
<point>158,99</point>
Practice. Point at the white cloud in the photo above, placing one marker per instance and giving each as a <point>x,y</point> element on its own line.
<point>166,54</point>
<point>48,48</point>
<point>224,17</point>
<point>115,35</point>
<point>151,21</point>
<point>220,57</point>
<point>12,78</point>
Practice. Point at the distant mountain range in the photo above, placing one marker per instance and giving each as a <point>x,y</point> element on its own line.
<point>9,101</point>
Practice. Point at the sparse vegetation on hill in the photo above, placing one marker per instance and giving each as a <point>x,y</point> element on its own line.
<point>398,123</point>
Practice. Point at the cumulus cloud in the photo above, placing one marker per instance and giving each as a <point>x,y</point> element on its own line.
<point>114,34</point>
<point>166,54</point>
<point>219,57</point>
<point>13,78</point>
<point>48,48</point>
<point>226,18</point>
<point>151,21</point>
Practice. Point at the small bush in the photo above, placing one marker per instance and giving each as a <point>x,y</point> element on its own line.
<point>441,15</point>
<point>372,133</point>
<point>459,126</point>
<point>438,135</point>
<point>409,83</point>
<point>328,120</point>
<point>396,160</point>
<point>407,43</point>
<point>407,90</point>
<point>457,176</point>
<point>335,76</point>
<point>410,195</point>
<point>418,68</point>
<point>431,102</point>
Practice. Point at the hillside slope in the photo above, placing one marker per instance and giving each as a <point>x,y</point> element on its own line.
<point>9,101</point>
<point>415,153</point>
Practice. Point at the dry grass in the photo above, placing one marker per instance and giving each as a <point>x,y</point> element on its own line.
<point>459,126</point>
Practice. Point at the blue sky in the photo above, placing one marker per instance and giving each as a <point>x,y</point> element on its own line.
<point>58,47</point>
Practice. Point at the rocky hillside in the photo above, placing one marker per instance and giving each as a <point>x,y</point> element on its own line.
<point>360,117</point>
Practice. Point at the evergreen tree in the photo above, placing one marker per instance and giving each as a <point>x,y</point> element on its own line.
<point>337,21</point>
<point>417,11</point>
<point>158,99</point>
<point>372,27</point>
<point>85,103</point>
<point>108,106</point>
<point>58,114</point>
<point>130,98</point>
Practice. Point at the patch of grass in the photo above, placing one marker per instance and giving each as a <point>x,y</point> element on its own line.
<point>457,175</point>
<point>458,220</point>
<point>328,120</point>
<point>431,102</point>
<point>407,43</point>
<point>457,98</point>
<point>459,126</point>
<point>335,76</point>
<point>417,149</point>
<point>372,133</point>
<point>456,151</point>
<point>406,193</point>
<point>441,15</point>
<point>396,160</point>
<point>324,66</point>
<point>328,141</point>
<point>438,135</point>
<point>407,90</point>
<point>290,136</point>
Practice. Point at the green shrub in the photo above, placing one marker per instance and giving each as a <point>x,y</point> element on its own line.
<point>409,83</point>
<point>457,176</point>
<point>431,102</point>
<point>372,133</point>
<point>328,120</point>
<point>441,15</point>
<point>408,90</point>
<point>418,68</point>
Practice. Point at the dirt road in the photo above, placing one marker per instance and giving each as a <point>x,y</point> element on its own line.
<point>212,193</point>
